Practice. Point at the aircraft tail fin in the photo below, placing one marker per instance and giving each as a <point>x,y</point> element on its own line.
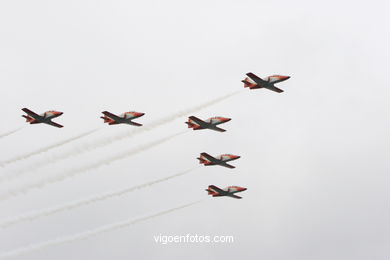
<point>248,84</point>
<point>107,119</point>
<point>190,124</point>
<point>28,118</point>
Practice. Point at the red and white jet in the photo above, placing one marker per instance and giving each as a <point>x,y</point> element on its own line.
<point>211,123</point>
<point>124,118</point>
<point>221,160</point>
<point>253,82</point>
<point>228,191</point>
<point>45,118</point>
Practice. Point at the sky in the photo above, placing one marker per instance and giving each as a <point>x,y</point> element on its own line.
<point>314,158</point>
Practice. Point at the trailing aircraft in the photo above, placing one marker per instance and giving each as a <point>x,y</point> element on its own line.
<point>45,118</point>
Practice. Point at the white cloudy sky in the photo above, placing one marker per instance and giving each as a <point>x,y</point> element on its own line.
<point>314,158</point>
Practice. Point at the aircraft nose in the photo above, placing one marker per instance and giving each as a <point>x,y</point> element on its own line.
<point>227,119</point>
<point>140,114</point>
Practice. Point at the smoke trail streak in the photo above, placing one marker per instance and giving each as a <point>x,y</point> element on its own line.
<point>11,132</point>
<point>109,140</point>
<point>75,172</point>
<point>87,201</point>
<point>47,148</point>
<point>90,233</point>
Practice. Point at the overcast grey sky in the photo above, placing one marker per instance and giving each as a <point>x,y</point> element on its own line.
<point>314,158</point>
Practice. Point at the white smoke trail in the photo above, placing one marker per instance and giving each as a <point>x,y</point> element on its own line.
<point>45,149</point>
<point>11,132</point>
<point>90,233</point>
<point>87,201</point>
<point>119,137</point>
<point>75,172</point>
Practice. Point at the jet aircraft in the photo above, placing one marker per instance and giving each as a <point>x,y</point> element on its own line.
<point>45,118</point>
<point>253,82</point>
<point>125,118</point>
<point>228,191</point>
<point>221,160</point>
<point>211,123</point>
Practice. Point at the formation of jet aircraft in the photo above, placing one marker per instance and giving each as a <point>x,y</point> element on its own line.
<point>251,81</point>
<point>45,118</point>
<point>124,118</point>
<point>228,191</point>
<point>220,160</point>
<point>211,123</point>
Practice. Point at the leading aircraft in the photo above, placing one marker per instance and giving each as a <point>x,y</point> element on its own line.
<point>211,123</point>
<point>228,191</point>
<point>253,82</point>
<point>221,160</point>
<point>45,118</point>
<point>124,118</point>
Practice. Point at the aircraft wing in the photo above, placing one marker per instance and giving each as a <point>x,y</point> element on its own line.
<point>111,115</point>
<point>199,121</point>
<point>210,158</point>
<point>216,189</point>
<point>227,165</point>
<point>54,124</point>
<point>31,113</point>
<point>273,88</point>
<point>255,78</point>
<point>134,123</point>
<point>234,196</point>
<point>215,128</point>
